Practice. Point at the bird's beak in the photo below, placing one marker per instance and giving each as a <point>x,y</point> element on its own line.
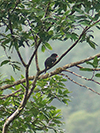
<point>57,56</point>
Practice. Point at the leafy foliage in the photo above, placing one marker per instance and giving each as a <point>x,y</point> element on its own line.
<point>38,113</point>
<point>55,14</point>
<point>27,105</point>
<point>94,64</point>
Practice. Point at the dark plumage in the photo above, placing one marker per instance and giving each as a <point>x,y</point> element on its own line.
<point>50,61</point>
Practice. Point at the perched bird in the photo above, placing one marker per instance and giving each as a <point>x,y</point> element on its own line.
<point>50,61</point>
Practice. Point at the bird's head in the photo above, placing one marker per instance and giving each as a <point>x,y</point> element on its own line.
<point>54,55</point>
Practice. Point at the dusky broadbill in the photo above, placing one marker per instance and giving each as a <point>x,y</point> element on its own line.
<point>50,61</point>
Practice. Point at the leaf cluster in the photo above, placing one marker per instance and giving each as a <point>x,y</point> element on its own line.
<point>39,114</point>
<point>94,64</point>
<point>45,20</point>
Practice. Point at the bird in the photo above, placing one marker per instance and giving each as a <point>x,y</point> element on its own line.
<point>50,61</point>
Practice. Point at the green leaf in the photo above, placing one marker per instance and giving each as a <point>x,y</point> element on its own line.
<point>65,101</point>
<point>97,75</point>
<point>43,48</point>
<point>84,22</point>
<point>90,63</point>
<point>15,67</point>
<point>16,62</point>
<point>74,36</point>
<point>85,69</point>
<point>12,79</point>
<point>91,43</point>
<point>4,62</point>
<point>81,16</point>
<point>95,62</point>
<point>98,27</point>
<point>48,46</point>
<point>8,81</point>
<point>96,16</point>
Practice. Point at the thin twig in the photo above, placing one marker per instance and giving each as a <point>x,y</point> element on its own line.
<point>17,2</point>
<point>15,83</point>
<point>72,46</point>
<point>39,42</point>
<point>12,34</point>
<point>21,59</point>
<point>80,84</point>
<point>27,82</point>
<point>81,61</point>
<point>88,79</point>
<point>33,85</point>
<point>34,53</point>
<point>92,69</point>
<point>12,94</point>
<point>46,12</point>
<point>36,61</point>
<point>35,39</point>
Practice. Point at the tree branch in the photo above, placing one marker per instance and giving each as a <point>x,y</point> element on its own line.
<point>33,85</point>
<point>82,77</point>
<point>12,34</point>
<point>74,44</point>
<point>20,108</point>
<point>36,61</point>
<point>72,64</point>
<point>80,84</point>
<point>35,39</point>
<point>46,12</point>
<point>12,94</point>
<point>16,4</point>
<point>27,84</point>
<point>84,31</point>
<point>34,53</point>
<point>57,71</point>
<point>15,83</point>
<point>38,44</point>
<point>92,69</point>
<point>21,59</point>
<point>81,61</point>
